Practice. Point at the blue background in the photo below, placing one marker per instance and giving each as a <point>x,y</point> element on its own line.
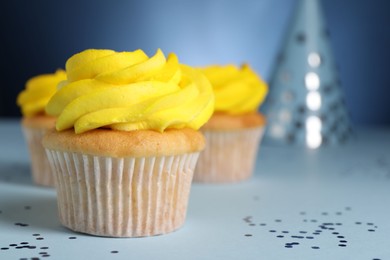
<point>39,36</point>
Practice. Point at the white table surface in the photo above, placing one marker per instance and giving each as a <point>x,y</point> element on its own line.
<point>342,191</point>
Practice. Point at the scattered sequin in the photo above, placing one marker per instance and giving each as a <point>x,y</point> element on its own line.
<point>297,237</point>
<point>323,227</point>
<point>248,219</point>
<point>21,224</point>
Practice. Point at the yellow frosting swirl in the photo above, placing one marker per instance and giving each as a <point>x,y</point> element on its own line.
<point>37,93</point>
<point>237,90</point>
<point>130,91</point>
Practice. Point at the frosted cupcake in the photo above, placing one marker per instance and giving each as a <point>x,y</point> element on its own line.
<point>126,141</point>
<point>36,122</point>
<point>234,132</point>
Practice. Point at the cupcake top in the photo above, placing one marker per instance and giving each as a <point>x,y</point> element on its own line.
<point>237,90</point>
<point>130,91</point>
<point>37,93</point>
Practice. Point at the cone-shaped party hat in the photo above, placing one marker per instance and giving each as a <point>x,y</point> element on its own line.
<point>305,105</point>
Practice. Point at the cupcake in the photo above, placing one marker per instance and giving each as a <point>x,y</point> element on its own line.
<point>234,132</point>
<point>126,141</point>
<point>35,122</point>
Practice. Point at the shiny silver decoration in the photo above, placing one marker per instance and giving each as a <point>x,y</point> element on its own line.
<point>305,105</point>
<point>314,59</point>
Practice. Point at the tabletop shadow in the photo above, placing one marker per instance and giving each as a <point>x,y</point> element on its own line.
<point>37,213</point>
<point>15,172</point>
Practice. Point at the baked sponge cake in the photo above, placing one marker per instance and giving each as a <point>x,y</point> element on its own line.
<point>126,141</point>
<point>234,132</point>
<point>35,122</point>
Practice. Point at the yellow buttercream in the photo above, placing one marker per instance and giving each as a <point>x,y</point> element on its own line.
<point>130,91</point>
<point>237,90</point>
<point>37,93</point>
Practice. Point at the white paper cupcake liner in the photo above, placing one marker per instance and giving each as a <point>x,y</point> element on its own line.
<point>122,197</point>
<point>40,167</point>
<point>229,156</point>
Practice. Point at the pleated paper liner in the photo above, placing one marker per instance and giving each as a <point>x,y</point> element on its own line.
<point>40,166</point>
<point>122,197</point>
<point>229,156</point>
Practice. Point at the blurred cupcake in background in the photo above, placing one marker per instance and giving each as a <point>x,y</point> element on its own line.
<point>35,122</point>
<point>234,132</point>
